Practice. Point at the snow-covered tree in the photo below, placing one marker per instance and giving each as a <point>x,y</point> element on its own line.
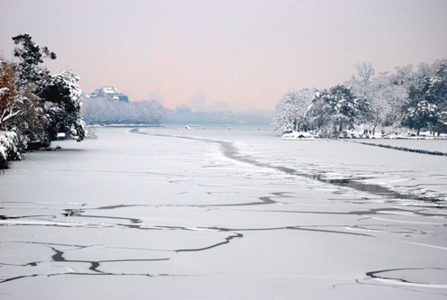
<point>437,94</point>
<point>8,93</point>
<point>405,77</point>
<point>427,101</point>
<point>30,56</point>
<point>291,111</point>
<point>20,108</point>
<point>319,115</point>
<point>63,106</point>
<point>388,102</point>
<point>407,98</point>
<point>422,115</point>
<point>9,148</point>
<point>384,98</point>
<point>341,107</point>
<point>362,84</point>
<point>52,102</point>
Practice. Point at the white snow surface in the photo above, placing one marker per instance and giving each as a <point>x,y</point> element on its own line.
<point>222,213</point>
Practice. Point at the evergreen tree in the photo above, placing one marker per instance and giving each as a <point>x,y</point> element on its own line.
<point>63,106</point>
<point>427,100</point>
<point>30,55</point>
<point>342,107</point>
<point>55,100</point>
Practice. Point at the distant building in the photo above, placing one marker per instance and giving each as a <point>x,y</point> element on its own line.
<point>109,92</point>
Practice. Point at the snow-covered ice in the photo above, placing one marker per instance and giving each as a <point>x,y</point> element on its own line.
<point>222,213</point>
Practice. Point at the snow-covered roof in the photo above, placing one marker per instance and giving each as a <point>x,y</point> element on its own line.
<point>109,90</point>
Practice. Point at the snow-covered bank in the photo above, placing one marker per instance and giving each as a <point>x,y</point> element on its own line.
<point>430,147</point>
<point>209,213</point>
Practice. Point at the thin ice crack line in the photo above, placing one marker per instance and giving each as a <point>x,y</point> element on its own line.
<point>426,245</point>
<point>371,212</point>
<point>94,274</point>
<point>230,151</point>
<point>227,241</point>
<point>78,212</point>
<point>109,171</point>
<point>384,283</point>
<point>156,227</point>
<point>78,247</point>
<point>374,275</point>
<point>58,256</point>
<point>302,228</point>
<point>94,265</point>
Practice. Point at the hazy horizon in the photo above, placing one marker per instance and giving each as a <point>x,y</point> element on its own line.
<point>243,53</point>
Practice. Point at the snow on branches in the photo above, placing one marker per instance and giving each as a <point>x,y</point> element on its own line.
<point>34,105</point>
<point>9,148</point>
<point>63,106</point>
<point>292,110</point>
<point>408,98</point>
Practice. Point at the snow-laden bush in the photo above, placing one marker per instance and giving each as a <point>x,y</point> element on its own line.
<point>63,106</point>
<point>9,148</point>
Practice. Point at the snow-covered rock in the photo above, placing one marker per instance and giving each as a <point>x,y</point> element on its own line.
<point>298,135</point>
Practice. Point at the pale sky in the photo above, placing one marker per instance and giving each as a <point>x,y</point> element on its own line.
<point>245,53</point>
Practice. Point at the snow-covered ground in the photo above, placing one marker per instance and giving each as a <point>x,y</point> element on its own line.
<point>223,213</point>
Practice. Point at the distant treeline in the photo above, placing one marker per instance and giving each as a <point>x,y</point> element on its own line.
<point>406,100</point>
<point>104,111</point>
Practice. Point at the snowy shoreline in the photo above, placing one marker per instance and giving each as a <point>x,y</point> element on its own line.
<point>438,153</point>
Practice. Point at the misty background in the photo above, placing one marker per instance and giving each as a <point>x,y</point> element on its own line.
<point>220,55</point>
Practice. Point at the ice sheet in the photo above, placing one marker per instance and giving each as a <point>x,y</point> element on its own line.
<point>225,214</point>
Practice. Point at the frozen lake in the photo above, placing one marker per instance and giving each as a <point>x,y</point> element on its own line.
<point>214,213</point>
